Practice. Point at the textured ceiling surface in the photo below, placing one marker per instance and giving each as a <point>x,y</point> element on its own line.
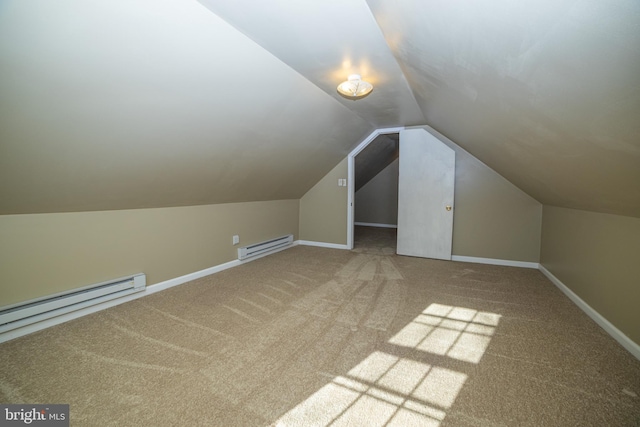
<point>546,92</point>
<point>130,104</point>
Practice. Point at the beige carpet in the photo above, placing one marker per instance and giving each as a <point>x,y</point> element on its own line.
<point>322,337</point>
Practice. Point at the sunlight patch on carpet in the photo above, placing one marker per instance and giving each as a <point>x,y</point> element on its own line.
<point>456,332</point>
<point>388,390</point>
<point>382,390</point>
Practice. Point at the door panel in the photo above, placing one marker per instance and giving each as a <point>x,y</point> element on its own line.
<point>425,190</point>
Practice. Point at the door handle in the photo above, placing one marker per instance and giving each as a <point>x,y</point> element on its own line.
<point>448,208</point>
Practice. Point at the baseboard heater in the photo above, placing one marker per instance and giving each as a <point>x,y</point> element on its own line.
<point>36,310</point>
<point>264,247</point>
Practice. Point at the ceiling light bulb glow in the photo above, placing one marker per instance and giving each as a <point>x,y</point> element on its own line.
<point>355,87</point>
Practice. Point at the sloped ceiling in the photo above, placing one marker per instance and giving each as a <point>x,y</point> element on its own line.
<point>375,157</point>
<point>128,104</point>
<point>152,103</point>
<point>546,92</point>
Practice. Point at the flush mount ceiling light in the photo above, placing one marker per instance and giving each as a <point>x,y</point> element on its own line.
<point>354,87</point>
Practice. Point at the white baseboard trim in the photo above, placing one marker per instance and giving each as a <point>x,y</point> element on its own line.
<point>616,333</point>
<point>494,261</point>
<point>152,289</point>
<point>373,224</point>
<point>321,244</point>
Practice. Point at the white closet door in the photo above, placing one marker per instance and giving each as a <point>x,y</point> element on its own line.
<point>425,195</point>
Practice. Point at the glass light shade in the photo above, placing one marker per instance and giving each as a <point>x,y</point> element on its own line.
<point>355,87</point>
